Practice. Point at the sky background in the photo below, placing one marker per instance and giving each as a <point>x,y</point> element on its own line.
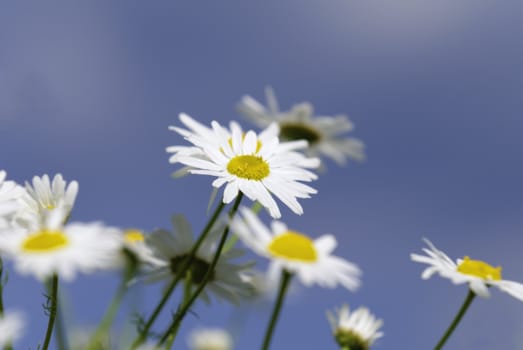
<point>434,89</point>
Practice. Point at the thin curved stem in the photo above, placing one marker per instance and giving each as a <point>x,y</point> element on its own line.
<point>186,263</point>
<point>180,314</point>
<point>284,284</point>
<point>457,319</point>
<point>186,295</point>
<point>52,312</point>
<point>109,316</point>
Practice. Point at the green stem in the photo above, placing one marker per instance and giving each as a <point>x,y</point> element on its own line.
<point>186,263</point>
<point>284,284</point>
<point>1,287</point>
<point>457,319</point>
<point>60,332</point>
<point>180,314</point>
<point>186,296</point>
<point>231,242</point>
<point>109,316</point>
<point>52,311</point>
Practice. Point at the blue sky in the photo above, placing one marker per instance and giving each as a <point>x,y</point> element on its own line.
<point>433,87</point>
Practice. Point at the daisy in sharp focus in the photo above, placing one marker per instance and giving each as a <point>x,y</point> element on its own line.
<point>358,329</point>
<point>171,249</point>
<point>258,165</point>
<point>196,129</point>
<point>63,250</point>
<point>323,133</point>
<point>478,274</point>
<point>296,253</point>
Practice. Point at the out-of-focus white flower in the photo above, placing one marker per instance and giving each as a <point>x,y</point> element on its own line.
<point>12,325</point>
<point>478,274</point>
<point>134,241</point>
<point>63,250</point>
<point>172,249</point>
<point>210,339</point>
<point>44,196</point>
<point>257,165</point>
<point>311,260</point>
<point>323,133</point>
<point>358,329</point>
<point>10,194</point>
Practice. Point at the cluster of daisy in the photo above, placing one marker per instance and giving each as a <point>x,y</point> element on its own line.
<point>271,167</point>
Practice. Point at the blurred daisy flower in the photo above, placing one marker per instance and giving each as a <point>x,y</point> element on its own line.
<point>358,329</point>
<point>171,249</point>
<point>11,328</point>
<point>62,250</point>
<point>210,339</point>
<point>10,192</point>
<point>292,251</point>
<point>257,165</point>
<point>44,195</point>
<point>136,248</point>
<point>478,274</point>
<point>323,133</point>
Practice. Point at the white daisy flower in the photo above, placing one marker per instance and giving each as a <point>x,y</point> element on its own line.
<point>172,249</point>
<point>256,165</point>
<point>45,195</point>
<point>210,339</point>
<point>478,274</point>
<point>134,242</point>
<point>295,252</point>
<point>10,193</point>
<point>358,329</point>
<point>63,250</point>
<point>322,132</point>
<point>12,325</point>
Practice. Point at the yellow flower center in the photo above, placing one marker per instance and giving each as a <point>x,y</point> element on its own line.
<point>132,236</point>
<point>249,167</point>
<point>293,245</point>
<point>45,241</point>
<point>479,269</point>
<point>299,131</point>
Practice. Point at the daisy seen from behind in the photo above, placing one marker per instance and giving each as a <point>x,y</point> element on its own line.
<point>54,249</point>
<point>258,165</point>
<point>358,329</point>
<point>323,133</point>
<point>478,274</point>
<point>311,260</point>
<point>172,248</point>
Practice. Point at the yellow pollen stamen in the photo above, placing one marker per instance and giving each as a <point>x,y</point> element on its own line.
<point>249,167</point>
<point>479,269</point>
<point>258,144</point>
<point>45,241</point>
<point>133,236</point>
<point>293,245</point>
